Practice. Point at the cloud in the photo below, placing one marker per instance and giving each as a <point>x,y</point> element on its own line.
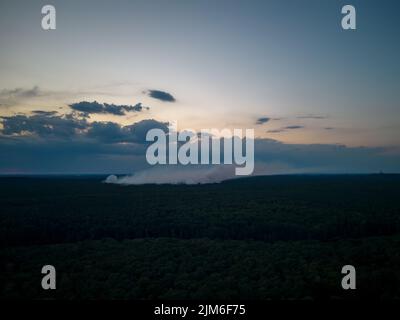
<point>315,117</point>
<point>10,97</point>
<point>42,125</point>
<point>262,120</point>
<point>294,127</point>
<point>32,155</point>
<point>329,128</point>
<point>140,129</point>
<point>45,142</point>
<point>107,132</point>
<point>44,113</point>
<point>49,125</point>
<point>105,108</point>
<point>276,130</point>
<point>98,154</point>
<point>113,132</point>
<point>326,158</point>
<point>161,95</point>
<point>20,93</point>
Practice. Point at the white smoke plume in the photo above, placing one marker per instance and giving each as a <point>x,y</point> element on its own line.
<point>177,175</point>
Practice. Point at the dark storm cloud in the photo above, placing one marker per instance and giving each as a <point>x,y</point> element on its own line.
<point>161,95</point>
<point>262,120</point>
<point>105,108</point>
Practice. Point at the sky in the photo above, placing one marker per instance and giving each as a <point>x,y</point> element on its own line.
<point>317,93</point>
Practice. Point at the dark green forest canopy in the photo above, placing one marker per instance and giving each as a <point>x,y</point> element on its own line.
<point>279,237</point>
<point>56,210</point>
<point>168,268</point>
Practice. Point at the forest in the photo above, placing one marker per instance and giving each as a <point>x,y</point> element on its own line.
<point>273,237</point>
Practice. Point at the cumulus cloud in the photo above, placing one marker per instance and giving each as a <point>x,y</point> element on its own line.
<point>42,125</point>
<point>113,132</point>
<point>105,108</point>
<point>50,143</point>
<point>107,131</point>
<point>161,95</point>
<point>50,125</point>
<point>47,142</point>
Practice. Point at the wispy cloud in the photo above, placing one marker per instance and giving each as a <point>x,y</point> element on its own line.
<point>312,116</point>
<point>294,127</point>
<point>20,92</point>
<point>283,129</point>
<point>10,97</point>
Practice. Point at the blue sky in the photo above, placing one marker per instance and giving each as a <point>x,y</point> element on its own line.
<point>225,63</point>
